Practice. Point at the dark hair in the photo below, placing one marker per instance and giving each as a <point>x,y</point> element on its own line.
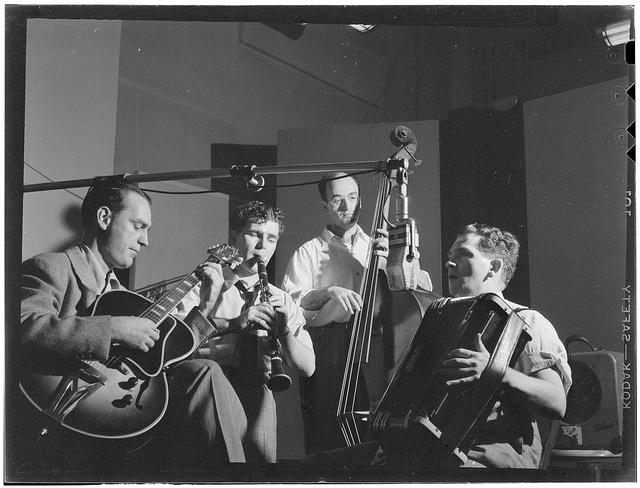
<point>497,244</point>
<point>258,212</point>
<point>336,175</point>
<point>107,192</point>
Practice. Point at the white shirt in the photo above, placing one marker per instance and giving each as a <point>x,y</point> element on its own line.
<point>328,260</point>
<point>228,306</point>
<point>104,281</point>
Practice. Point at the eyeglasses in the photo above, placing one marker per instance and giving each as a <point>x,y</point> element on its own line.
<point>352,198</point>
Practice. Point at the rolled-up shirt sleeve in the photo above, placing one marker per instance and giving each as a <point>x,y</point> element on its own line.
<point>545,350</point>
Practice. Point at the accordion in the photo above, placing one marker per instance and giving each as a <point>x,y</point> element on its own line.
<point>420,417</point>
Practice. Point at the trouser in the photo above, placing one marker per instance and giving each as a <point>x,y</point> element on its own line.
<point>260,441</point>
<point>205,422</point>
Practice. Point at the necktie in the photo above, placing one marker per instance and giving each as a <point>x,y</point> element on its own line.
<point>110,282</point>
<point>248,295</point>
<point>247,349</point>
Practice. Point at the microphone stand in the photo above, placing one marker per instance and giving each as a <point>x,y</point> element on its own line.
<point>213,173</point>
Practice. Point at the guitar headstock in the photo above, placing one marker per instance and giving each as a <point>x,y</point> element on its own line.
<point>223,254</point>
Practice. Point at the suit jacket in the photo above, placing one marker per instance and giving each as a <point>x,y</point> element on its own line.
<point>57,288</point>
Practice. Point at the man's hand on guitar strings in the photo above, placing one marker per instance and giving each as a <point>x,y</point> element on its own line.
<point>134,332</point>
<point>463,366</point>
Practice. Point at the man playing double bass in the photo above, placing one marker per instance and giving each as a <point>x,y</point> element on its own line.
<point>323,276</point>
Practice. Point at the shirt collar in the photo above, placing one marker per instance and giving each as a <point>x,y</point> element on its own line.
<point>327,235</point>
<point>231,278</point>
<point>96,268</point>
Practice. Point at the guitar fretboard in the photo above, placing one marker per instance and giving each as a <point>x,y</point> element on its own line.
<point>160,309</point>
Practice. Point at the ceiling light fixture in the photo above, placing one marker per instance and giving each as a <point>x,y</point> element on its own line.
<point>362,27</point>
<point>616,33</point>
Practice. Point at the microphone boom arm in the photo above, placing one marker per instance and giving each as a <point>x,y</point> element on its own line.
<point>213,173</point>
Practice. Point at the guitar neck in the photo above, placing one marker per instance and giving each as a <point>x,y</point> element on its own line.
<point>159,310</point>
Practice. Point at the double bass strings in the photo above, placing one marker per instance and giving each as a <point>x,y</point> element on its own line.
<point>362,325</point>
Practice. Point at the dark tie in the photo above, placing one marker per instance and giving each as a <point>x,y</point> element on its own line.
<point>247,342</point>
<point>248,295</point>
<point>110,280</point>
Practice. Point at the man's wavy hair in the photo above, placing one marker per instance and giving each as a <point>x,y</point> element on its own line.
<point>258,212</point>
<point>497,244</point>
<point>107,192</point>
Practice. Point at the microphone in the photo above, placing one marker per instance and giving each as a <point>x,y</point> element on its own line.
<point>254,182</point>
<point>402,265</point>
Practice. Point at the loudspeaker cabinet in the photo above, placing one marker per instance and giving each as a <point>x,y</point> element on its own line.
<point>593,419</point>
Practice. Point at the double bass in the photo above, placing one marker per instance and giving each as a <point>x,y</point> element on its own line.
<point>393,306</point>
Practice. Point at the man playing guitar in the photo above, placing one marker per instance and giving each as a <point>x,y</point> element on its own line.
<point>57,289</point>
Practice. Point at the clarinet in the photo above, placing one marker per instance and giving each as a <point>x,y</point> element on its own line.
<point>278,380</point>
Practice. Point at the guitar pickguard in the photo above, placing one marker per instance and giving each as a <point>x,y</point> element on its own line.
<point>100,400</point>
<point>73,389</point>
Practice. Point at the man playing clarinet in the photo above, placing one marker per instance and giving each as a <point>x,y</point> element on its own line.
<point>245,321</point>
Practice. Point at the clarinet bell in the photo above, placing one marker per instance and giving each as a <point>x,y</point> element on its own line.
<point>278,380</point>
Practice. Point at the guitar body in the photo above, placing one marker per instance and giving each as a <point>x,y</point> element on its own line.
<point>176,341</point>
<point>124,396</point>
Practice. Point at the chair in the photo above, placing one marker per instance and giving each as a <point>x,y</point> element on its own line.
<point>548,443</point>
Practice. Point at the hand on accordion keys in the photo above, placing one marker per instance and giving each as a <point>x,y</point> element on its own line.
<point>463,366</point>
